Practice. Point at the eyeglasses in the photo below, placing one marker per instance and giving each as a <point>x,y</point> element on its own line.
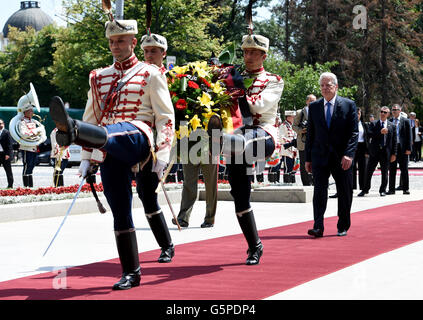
<point>384,112</point>
<point>395,109</point>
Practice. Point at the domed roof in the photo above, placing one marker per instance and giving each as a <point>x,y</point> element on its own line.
<point>29,14</point>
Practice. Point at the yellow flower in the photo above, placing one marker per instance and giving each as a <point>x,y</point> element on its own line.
<point>200,68</point>
<point>205,100</point>
<point>183,132</point>
<point>217,88</point>
<point>180,70</point>
<point>195,122</point>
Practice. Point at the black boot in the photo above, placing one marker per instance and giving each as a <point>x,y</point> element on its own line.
<point>30,181</point>
<point>127,247</point>
<point>249,229</point>
<point>57,179</point>
<point>25,180</point>
<point>60,183</point>
<point>161,233</point>
<point>75,131</point>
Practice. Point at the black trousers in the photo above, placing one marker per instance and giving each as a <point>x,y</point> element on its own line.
<point>360,165</point>
<point>306,178</point>
<point>7,165</point>
<point>402,161</point>
<point>417,151</point>
<point>383,158</point>
<point>343,181</point>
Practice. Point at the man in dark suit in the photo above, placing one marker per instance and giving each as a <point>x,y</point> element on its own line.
<point>332,136</point>
<point>6,153</point>
<point>382,139</point>
<point>403,150</point>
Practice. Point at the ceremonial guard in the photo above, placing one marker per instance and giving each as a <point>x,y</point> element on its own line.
<point>155,48</point>
<point>125,102</point>
<point>288,140</point>
<point>255,139</point>
<point>61,156</point>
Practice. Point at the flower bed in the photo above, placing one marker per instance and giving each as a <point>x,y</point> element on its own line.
<point>25,195</point>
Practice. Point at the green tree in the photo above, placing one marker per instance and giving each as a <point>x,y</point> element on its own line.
<point>27,58</point>
<point>300,81</point>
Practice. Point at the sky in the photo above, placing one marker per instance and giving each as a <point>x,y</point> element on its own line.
<point>54,7</point>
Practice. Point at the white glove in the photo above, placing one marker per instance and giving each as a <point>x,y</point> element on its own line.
<point>84,167</point>
<point>159,167</point>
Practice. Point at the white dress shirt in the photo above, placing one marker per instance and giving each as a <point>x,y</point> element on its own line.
<point>332,102</point>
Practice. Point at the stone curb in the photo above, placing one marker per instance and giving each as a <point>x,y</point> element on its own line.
<point>47,209</point>
<point>287,194</point>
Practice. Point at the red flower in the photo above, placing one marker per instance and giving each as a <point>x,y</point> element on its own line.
<point>193,85</point>
<point>205,82</point>
<point>179,76</point>
<point>181,105</point>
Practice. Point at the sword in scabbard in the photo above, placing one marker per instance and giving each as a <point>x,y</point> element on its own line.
<point>161,185</point>
<point>66,215</point>
<point>170,206</point>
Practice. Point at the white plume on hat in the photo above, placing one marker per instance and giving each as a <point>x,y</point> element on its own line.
<point>154,40</point>
<point>121,27</point>
<point>255,41</point>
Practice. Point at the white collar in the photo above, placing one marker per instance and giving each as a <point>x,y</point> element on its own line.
<point>332,101</point>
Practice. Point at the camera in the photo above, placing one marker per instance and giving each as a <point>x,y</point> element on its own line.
<point>303,124</point>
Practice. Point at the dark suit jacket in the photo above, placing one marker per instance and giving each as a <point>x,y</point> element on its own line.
<point>375,138</point>
<point>6,142</point>
<point>340,139</point>
<point>365,134</point>
<point>413,131</point>
<point>404,137</point>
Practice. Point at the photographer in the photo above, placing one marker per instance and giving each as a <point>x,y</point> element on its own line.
<point>300,127</point>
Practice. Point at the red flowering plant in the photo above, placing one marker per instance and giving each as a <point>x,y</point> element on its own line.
<point>197,94</point>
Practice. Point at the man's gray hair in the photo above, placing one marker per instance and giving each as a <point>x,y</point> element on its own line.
<point>330,75</point>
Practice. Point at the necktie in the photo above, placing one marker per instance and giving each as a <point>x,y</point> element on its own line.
<point>382,142</point>
<point>397,126</point>
<point>328,114</point>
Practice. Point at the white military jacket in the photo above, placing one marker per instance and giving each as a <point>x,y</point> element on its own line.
<point>28,130</point>
<point>57,151</point>
<point>144,101</point>
<point>263,99</point>
<point>286,135</point>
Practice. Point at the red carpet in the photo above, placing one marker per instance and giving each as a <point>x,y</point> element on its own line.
<point>214,269</point>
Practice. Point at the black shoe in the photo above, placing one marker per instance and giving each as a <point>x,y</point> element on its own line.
<point>128,281</point>
<point>382,194</point>
<point>181,222</point>
<point>398,188</point>
<point>342,233</point>
<point>406,192</point>
<point>167,255</point>
<point>317,233</point>
<point>362,194</point>
<point>391,192</point>
<point>254,254</point>
<point>207,225</point>
<point>334,196</point>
